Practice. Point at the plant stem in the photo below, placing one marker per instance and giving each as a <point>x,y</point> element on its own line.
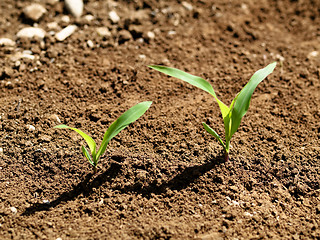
<point>94,169</point>
<point>226,156</point>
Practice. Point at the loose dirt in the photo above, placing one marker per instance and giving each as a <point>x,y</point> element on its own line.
<point>163,177</point>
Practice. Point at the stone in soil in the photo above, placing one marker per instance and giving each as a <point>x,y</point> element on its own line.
<point>113,16</point>
<point>34,12</point>
<point>7,42</point>
<point>31,32</point>
<point>66,32</point>
<point>75,7</point>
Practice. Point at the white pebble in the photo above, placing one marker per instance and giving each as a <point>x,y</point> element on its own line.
<point>7,42</point>
<point>247,214</point>
<point>313,54</point>
<point>142,56</point>
<point>113,16</point>
<point>13,210</point>
<point>30,32</point>
<point>30,127</point>
<point>151,35</point>
<point>90,44</point>
<point>20,55</point>
<point>103,31</point>
<point>65,19</point>
<point>56,118</point>
<point>1,150</point>
<point>75,7</point>
<point>170,33</point>
<point>52,25</point>
<point>66,32</point>
<point>34,12</point>
<point>187,6</point>
<point>88,17</point>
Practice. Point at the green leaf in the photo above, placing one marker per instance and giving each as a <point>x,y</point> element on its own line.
<point>122,122</point>
<point>87,155</point>
<point>91,143</point>
<point>213,133</point>
<point>242,102</point>
<point>193,80</point>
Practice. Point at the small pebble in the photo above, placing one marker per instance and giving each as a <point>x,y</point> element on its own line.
<point>90,44</point>
<point>45,201</point>
<point>66,32</point>
<point>248,214</point>
<point>1,150</point>
<point>113,16</point>
<point>7,42</point>
<point>103,31</point>
<point>20,55</point>
<point>75,7</point>
<point>55,118</point>
<point>151,35</point>
<point>30,32</point>
<point>65,19</point>
<point>313,54</point>
<point>13,210</point>
<point>30,127</point>
<point>52,25</point>
<point>88,17</point>
<point>34,12</point>
<point>187,6</point>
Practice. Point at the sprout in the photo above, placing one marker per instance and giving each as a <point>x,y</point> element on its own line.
<point>231,115</point>
<point>121,123</point>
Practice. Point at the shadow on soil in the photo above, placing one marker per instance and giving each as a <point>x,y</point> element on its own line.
<point>180,181</point>
<point>84,187</point>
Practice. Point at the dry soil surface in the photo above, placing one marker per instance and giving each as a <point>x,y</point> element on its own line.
<point>164,176</point>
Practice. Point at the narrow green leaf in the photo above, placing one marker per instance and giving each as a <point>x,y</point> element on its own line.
<point>213,133</point>
<point>193,80</point>
<point>91,143</point>
<point>242,102</point>
<point>87,155</point>
<point>122,122</point>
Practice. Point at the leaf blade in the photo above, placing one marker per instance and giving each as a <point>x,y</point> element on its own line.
<point>121,123</point>
<point>193,80</point>
<point>87,155</point>
<point>91,143</point>
<point>213,133</point>
<point>242,102</point>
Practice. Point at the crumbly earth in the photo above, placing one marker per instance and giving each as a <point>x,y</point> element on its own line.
<point>163,177</point>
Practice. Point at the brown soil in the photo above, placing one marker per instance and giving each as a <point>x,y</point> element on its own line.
<point>163,177</point>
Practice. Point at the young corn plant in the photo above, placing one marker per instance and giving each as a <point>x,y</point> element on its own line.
<point>122,122</point>
<point>232,114</point>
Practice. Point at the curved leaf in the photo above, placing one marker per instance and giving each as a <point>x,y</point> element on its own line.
<point>213,133</point>
<point>87,155</point>
<point>122,122</point>
<point>91,143</point>
<point>242,102</point>
<point>193,80</point>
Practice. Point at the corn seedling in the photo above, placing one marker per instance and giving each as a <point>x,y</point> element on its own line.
<point>122,122</point>
<point>231,115</point>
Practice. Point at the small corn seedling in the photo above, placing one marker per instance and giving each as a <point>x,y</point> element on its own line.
<point>122,122</point>
<point>231,115</point>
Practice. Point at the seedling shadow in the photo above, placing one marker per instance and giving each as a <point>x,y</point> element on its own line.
<point>179,181</point>
<point>85,187</point>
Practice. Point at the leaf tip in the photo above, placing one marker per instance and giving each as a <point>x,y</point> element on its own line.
<point>61,126</point>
